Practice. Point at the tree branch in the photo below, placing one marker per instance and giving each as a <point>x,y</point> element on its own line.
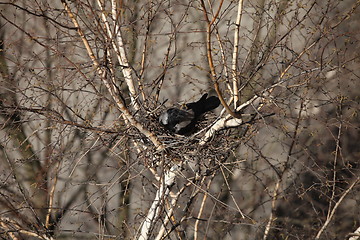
<point>329,218</point>
<point>110,87</point>
<point>236,53</point>
<point>161,194</point>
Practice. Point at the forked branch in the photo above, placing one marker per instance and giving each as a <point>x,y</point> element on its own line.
<point>109,85</point>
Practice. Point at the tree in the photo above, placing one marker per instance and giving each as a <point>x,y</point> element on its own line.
<point>83,154</point>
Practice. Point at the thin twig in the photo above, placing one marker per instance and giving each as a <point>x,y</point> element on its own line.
<point>329,218</point>
<point>110,87</point>
<point>118,46</point>
<point>6,229</point>
<point>226,121</point>
<point>230,192</point>
<point>223,58</point>
<point>336,154</point>
<point>51,196</point>
<point>24,194</point>
<point>196,225</point>
<point>210,59</point>
<point>273,202</point>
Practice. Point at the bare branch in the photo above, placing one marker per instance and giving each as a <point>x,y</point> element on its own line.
<point>161,194</point>
<point>273,202</point>
<point>355,235</point>
<point>235,53</point>
<point>332,212</point>
<point>111,88</point>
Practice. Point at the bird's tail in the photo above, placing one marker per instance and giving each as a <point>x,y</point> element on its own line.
<point>204,105</point>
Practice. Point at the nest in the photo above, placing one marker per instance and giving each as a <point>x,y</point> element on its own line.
<point>180,148</point>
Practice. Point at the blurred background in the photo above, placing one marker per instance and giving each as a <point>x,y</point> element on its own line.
<point>72,167</point>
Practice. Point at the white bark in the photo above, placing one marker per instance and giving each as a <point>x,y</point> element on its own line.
<point>236,53</point>
<point>357,232</point>
<point>160,196</point>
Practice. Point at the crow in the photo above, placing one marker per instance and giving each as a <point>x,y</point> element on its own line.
<point>182,121</point>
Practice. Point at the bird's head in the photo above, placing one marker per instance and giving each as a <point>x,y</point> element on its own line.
<point>164,118</point>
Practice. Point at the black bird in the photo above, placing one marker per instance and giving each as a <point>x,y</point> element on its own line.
<point>182,121</point>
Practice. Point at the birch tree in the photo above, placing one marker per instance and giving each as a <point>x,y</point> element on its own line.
<point>83,155</point>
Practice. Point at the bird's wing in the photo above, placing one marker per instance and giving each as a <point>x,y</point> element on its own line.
<point>187,115</point>
<point>181,125</point>
<point>204,104</point>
